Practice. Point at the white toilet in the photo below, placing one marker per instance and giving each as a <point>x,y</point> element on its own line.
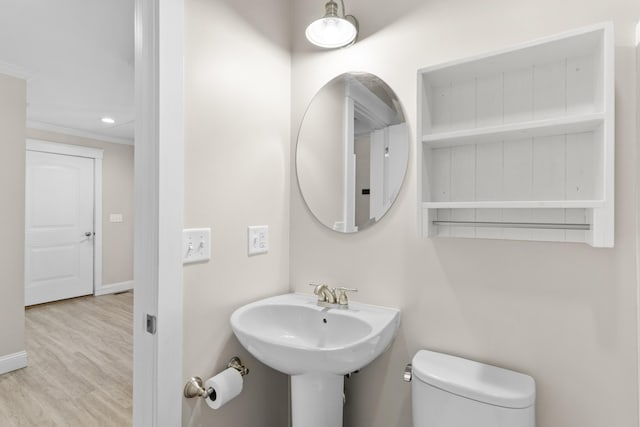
<point>448,391</point>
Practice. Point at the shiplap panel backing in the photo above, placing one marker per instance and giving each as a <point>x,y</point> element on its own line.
<point>554,167</point>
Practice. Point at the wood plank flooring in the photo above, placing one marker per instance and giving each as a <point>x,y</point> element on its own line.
<point>80,355</point>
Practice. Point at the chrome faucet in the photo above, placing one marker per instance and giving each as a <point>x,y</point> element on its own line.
<point>332,297</point>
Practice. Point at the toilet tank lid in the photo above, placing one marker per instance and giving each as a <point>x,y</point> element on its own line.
<point>474,380</point>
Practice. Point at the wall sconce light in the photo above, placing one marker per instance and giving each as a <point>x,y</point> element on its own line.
<point>332,30</point>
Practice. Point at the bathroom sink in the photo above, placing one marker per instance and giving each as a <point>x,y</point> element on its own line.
<point>293,335</point>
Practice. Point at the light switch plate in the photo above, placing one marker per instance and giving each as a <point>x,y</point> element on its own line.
<point>196,245</point>
<point>115,217</point>
<point>258,239</point>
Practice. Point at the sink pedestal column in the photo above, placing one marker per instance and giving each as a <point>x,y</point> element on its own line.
<point>317,400</point>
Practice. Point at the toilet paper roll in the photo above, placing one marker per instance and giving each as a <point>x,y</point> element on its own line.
<point>226,385</point>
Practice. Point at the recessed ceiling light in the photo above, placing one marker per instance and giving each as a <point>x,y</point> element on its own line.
<point>107,120</point>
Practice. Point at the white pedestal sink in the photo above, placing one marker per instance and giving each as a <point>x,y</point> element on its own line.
<point>317,346</point>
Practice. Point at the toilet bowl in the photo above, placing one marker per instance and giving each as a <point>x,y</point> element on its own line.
<point>449,391</point>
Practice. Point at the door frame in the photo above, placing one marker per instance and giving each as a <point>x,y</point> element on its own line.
<point>96,154</point>
<point>159,205</point>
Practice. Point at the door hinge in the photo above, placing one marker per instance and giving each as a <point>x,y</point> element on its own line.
<point>151,324</point>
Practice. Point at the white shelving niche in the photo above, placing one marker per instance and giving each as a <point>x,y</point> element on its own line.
<point>519,144</point>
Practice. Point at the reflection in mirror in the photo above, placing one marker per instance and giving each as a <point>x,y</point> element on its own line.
<point>352,153</point>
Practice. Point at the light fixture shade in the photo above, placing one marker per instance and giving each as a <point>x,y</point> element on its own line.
<point>331,32</point>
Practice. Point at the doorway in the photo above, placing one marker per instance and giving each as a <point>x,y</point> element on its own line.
<point>159,174</point>
<point>63,191</point>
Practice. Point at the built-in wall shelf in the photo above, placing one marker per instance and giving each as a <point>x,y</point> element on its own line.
<point>517,131</point>
<point>521,136</point>
<point>516,204</point>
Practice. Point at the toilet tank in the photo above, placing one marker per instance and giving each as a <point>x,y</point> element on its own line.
<point>449,391</point>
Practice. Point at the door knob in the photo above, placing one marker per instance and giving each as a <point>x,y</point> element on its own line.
<point>88,234</point>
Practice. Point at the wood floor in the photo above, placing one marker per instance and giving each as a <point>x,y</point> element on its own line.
<point>80,355</point>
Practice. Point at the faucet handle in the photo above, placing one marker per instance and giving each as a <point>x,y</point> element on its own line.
<point>316,290</point>
<point>342,295</point>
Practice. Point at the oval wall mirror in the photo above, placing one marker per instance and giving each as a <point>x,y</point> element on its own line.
<point>352,152</point>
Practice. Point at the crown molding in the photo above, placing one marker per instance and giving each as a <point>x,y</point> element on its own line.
<point>77,132</point>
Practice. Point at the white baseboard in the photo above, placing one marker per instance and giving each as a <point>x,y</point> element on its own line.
<point>114,287</point>
<point>14,361</point>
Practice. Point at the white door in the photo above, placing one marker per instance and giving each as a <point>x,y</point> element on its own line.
<point>58,227</point>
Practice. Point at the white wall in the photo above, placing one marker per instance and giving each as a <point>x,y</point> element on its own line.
<point>236,174</point>
<point>13,103</point>
<point>117,197</point>
<point>563,313</point>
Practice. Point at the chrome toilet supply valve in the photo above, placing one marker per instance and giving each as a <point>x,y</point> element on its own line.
<point>195,386</point>
<point>408,373</point>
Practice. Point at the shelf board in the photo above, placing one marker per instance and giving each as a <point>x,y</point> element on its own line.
<point>516,131</point>
<point>539,51</point>
<point>530,225</point>
<point>516,204</point>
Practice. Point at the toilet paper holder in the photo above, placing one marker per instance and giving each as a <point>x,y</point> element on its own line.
<point>195,386</point>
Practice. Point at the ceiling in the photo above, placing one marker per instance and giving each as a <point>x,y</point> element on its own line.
<point>78,58</point>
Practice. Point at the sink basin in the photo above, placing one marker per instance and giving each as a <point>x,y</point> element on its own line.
<point>316,345</point>
<point>293,335</point>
